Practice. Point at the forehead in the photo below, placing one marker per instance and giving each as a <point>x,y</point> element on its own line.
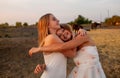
<point>52,16</point>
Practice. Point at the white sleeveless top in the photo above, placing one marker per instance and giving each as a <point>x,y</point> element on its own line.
<point>87,64</point>
<point>55,65</point>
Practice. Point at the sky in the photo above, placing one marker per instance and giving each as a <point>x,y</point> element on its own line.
<point>30,11</point>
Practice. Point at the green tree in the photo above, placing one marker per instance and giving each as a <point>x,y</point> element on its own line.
<point>80,20</point>
<point>71,23</point>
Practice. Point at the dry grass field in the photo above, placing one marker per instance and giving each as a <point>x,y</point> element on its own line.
<point>108,43</point>
<point>16,63</point>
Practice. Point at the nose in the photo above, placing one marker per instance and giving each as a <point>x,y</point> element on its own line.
<point>64,33</point>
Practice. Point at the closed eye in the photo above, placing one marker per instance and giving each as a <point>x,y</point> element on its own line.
<point>60,32</point>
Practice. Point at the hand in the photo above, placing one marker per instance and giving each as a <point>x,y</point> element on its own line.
<point>82,32</point>
<point>33,50</point>
<point>39,68</point>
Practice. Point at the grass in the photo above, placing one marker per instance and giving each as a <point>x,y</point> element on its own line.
<point>108,43</point>
<point>15,62</point>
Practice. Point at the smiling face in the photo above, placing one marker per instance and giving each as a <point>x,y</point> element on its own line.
<point>53,22</point>
<point>64,34</point>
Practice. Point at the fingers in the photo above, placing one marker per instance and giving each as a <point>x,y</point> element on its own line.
<point>30,52</point>
<point>38,69</point>
<point>35,72</point>
<point>82,32</point>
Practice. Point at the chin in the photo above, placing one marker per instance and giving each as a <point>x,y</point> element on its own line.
<point>66,40</point>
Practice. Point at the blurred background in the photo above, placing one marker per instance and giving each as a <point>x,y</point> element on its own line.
<point>18,32</point>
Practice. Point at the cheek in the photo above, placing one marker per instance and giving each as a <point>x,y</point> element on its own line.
<point>69,34</point>
<point>59,32</point>
<point>62,37</point>
<point>51,23</point>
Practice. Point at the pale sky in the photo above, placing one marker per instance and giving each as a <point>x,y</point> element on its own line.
<point>65,10</point>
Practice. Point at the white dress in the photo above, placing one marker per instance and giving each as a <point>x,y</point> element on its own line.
<point>87,64</point>
<point>56,66</point>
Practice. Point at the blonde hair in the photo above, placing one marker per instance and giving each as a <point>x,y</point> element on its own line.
<point>43,28</point>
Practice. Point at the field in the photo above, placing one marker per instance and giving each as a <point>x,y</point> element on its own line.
<point>108,43</point>
<point>16,63</point>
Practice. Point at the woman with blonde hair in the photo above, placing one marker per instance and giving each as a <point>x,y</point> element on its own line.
<point>55,61</point>
<point>47,26</point>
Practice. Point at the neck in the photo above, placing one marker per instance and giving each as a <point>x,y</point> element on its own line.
<point>52,30</point>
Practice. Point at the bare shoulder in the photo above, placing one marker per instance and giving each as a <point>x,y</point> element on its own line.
<point>51,39</point>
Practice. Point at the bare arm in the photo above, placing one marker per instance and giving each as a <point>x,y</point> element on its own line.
<point>70,53</point>
<point>50,40</point>
<point>53,39</point>
<point>67,45</point>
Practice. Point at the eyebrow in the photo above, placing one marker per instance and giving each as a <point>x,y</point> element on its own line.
<point>54,18</point>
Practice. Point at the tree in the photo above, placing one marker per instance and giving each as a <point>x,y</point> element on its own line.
<point>71,23</point>
<point>114,20</point>
<point>80,20</point>
<point>108,21</point>
<point>18,24</point>
<point>25,24</point>
<point>4,24</point>
<point>36,24</point>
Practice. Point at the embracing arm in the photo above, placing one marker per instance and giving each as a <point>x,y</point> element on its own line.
<point>69,53</point>
<point>77,41</point>
<point>51,40</point>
